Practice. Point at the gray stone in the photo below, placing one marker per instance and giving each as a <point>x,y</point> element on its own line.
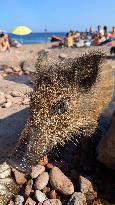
<point>60,182</point>
<point>40,196</point>
<point>19,200</point>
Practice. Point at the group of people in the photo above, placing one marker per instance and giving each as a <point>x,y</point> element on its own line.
<point>4,42</point>
<point>88,38</point>
<point>102,35</point>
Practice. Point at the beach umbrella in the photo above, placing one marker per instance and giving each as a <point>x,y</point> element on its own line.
<point>21,30</point>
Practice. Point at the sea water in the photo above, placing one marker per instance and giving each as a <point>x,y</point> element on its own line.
<point>36,37</point>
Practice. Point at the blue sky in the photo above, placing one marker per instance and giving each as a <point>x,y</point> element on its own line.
<point>56,15</point>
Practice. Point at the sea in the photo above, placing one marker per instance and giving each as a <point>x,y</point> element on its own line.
<point>34,38</point>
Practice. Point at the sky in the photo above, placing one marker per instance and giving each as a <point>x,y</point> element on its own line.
<point>56,15</point>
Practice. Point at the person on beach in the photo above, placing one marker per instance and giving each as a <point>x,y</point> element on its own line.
<point>68,40</point>
<point>113,32</point>
<point>99,30</point>
<point>4,42</point>
<point>107,35</point>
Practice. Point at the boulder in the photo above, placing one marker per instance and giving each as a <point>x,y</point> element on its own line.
<point>106,147</point>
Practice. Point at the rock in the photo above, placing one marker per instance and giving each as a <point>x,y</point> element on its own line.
<point>106,147</point>
<point>15,93</point>
<point>53,194</point>
<point>28,188</point>
<point>16,69</point>
<point>17,100</point>
<point>7,104</point>
<point>60,182</point>
<point>8,71</point>
<point>9,98</point>
<point>29,201</point>
<point>26,101</point>
<point>77,198</point>
<point>19,200</point>
<point>11,202</point>
<point>2,99</point>
<point>19,177</point>
<point>5,170</point>
<point>86,185</point>
<point>40,196</point>
<point>7,189</point>
<point>37,170</point>
<point>52,202</point>
<point>42,181</point>
<point>46,190</point>
<point>62,56</point>
<point>49,166</point>
<point>26,68</point>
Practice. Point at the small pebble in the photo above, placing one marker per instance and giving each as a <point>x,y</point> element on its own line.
<point>19,200</point>
<point>15,93</point>
<point>40,196</point>
<point>11,202</point>
<point>5,170</point>
<point>77,198</point>
<point>28,188</point>
<point>29,201</point>
<point>36,171</point>
<point>2,100</point>
<point>49,166</point>
<point>53,194</point>
<point>46,190</point>
<point>7,105</point>
<point>42,181</point>
<point>52,202</point>
<point>19,177</point>
<point>60,182</point>
<point>86,185</point>
<point>8,70</point>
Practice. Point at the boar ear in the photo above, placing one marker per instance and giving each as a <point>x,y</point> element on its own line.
<point>87,68</point>
<point>83,71</point>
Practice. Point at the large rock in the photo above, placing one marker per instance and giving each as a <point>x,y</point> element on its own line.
<point>106,147</point>
<point>60,182</point>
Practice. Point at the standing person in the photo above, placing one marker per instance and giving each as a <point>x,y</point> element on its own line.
<point>113,32</point>
<point>106,34</point>
<point>99,30</point>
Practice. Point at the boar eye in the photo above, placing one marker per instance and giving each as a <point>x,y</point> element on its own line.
<point>60,107</point>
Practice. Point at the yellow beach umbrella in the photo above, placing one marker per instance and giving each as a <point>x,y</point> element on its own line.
<point>21,30</point>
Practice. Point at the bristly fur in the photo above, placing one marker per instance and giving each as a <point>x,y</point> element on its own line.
<point>68,97</point>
